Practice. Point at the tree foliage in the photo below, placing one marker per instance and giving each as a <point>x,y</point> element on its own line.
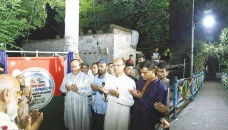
<point>12,26</point>
<point>17,17</point>
<point>149,17</point>
<point>224,48</point>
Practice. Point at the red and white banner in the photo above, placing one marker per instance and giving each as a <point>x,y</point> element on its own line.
<point>44,74</point>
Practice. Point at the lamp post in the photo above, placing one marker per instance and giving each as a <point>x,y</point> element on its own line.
<point>192,45</point>
<point>208,22</point>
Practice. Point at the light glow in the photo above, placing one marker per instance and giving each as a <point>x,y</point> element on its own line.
<point>209,21</point>
<point>12,63</point>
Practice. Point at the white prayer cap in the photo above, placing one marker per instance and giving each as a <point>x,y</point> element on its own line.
<point>16,72</point>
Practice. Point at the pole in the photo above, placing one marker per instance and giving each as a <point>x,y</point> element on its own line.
<point>71,25</point>
<point>192,46</point>
<point>184,69</point>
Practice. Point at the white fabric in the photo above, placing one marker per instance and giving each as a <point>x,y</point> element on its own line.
<point>6,121</point>
<point>16,72</point>
<point>155,55</point>
<point>118,109</point>
<point>91,76</point>
<point>76,112</point>
<point>134,38</point>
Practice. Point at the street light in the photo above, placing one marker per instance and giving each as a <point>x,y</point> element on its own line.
<point>208,22</point>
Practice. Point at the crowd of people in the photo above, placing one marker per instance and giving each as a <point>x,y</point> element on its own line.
<point>116,95</point>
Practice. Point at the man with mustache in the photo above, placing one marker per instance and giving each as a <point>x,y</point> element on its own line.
<point>9,96</point>
<point>26,97</point>
<point>149,90</point>
<point>76,86</point>
<point>99,105</point>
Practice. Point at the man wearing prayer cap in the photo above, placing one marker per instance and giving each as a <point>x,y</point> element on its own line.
<point>9,97</point>
<point>26,97</point>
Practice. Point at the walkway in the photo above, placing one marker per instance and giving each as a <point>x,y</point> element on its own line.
<point>208,111</point>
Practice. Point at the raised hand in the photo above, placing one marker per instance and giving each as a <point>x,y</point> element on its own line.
<point>27,91</point>
<point>34,120</point>
<point>165,124</point>
<point>161,108</point>
<point>103,90</point>
<point>136,93</point>
<point>68,88</point>
<point>114,92</point>
<point>74,88</point>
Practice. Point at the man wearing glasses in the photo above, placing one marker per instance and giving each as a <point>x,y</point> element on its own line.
<point>9,97</point>
<point>76,86</point>
<point>118,97</point>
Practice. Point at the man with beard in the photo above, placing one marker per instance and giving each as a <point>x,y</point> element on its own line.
<point>162,72</point>
<point>76,86</point>
<point>26,97</point>
<point>9,96</point>
<point>150,90</point>
<point>99,105</point>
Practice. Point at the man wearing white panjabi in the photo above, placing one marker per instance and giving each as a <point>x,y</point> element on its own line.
<point>119,99</point>
<point>76,86</point>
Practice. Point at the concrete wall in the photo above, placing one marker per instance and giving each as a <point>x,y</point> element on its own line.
<point>122,44</point>
<point>51,45</point>
<point>92,47</point>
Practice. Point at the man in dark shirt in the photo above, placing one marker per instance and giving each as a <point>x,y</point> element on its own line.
<point>149,90</point>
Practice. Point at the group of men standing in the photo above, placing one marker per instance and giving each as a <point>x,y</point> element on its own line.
<point>113,97</point>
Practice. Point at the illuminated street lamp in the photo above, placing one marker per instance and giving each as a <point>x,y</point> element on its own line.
<point>208,22</point>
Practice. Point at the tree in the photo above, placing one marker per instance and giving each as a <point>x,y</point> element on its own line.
<point>224,48</point>
<point>149,17</point>
<point>12,26</point>
<point>17,17</point>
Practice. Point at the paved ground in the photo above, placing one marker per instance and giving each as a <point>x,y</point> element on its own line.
<point>208,111</point>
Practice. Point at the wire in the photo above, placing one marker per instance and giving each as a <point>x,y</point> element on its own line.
<point>54,28</point>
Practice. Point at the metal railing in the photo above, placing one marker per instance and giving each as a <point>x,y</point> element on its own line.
<point>224,79</point>
<point>185,89</point>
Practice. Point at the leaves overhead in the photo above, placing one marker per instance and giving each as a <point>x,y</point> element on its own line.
<point>17,17</point>
<point>149,17</point>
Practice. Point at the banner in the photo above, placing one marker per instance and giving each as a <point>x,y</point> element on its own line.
<point>43,74</point>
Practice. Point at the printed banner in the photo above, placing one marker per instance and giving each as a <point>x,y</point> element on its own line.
<point>43,74</point>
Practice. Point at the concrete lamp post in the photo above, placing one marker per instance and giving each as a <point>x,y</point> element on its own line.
<point>208,22</point>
